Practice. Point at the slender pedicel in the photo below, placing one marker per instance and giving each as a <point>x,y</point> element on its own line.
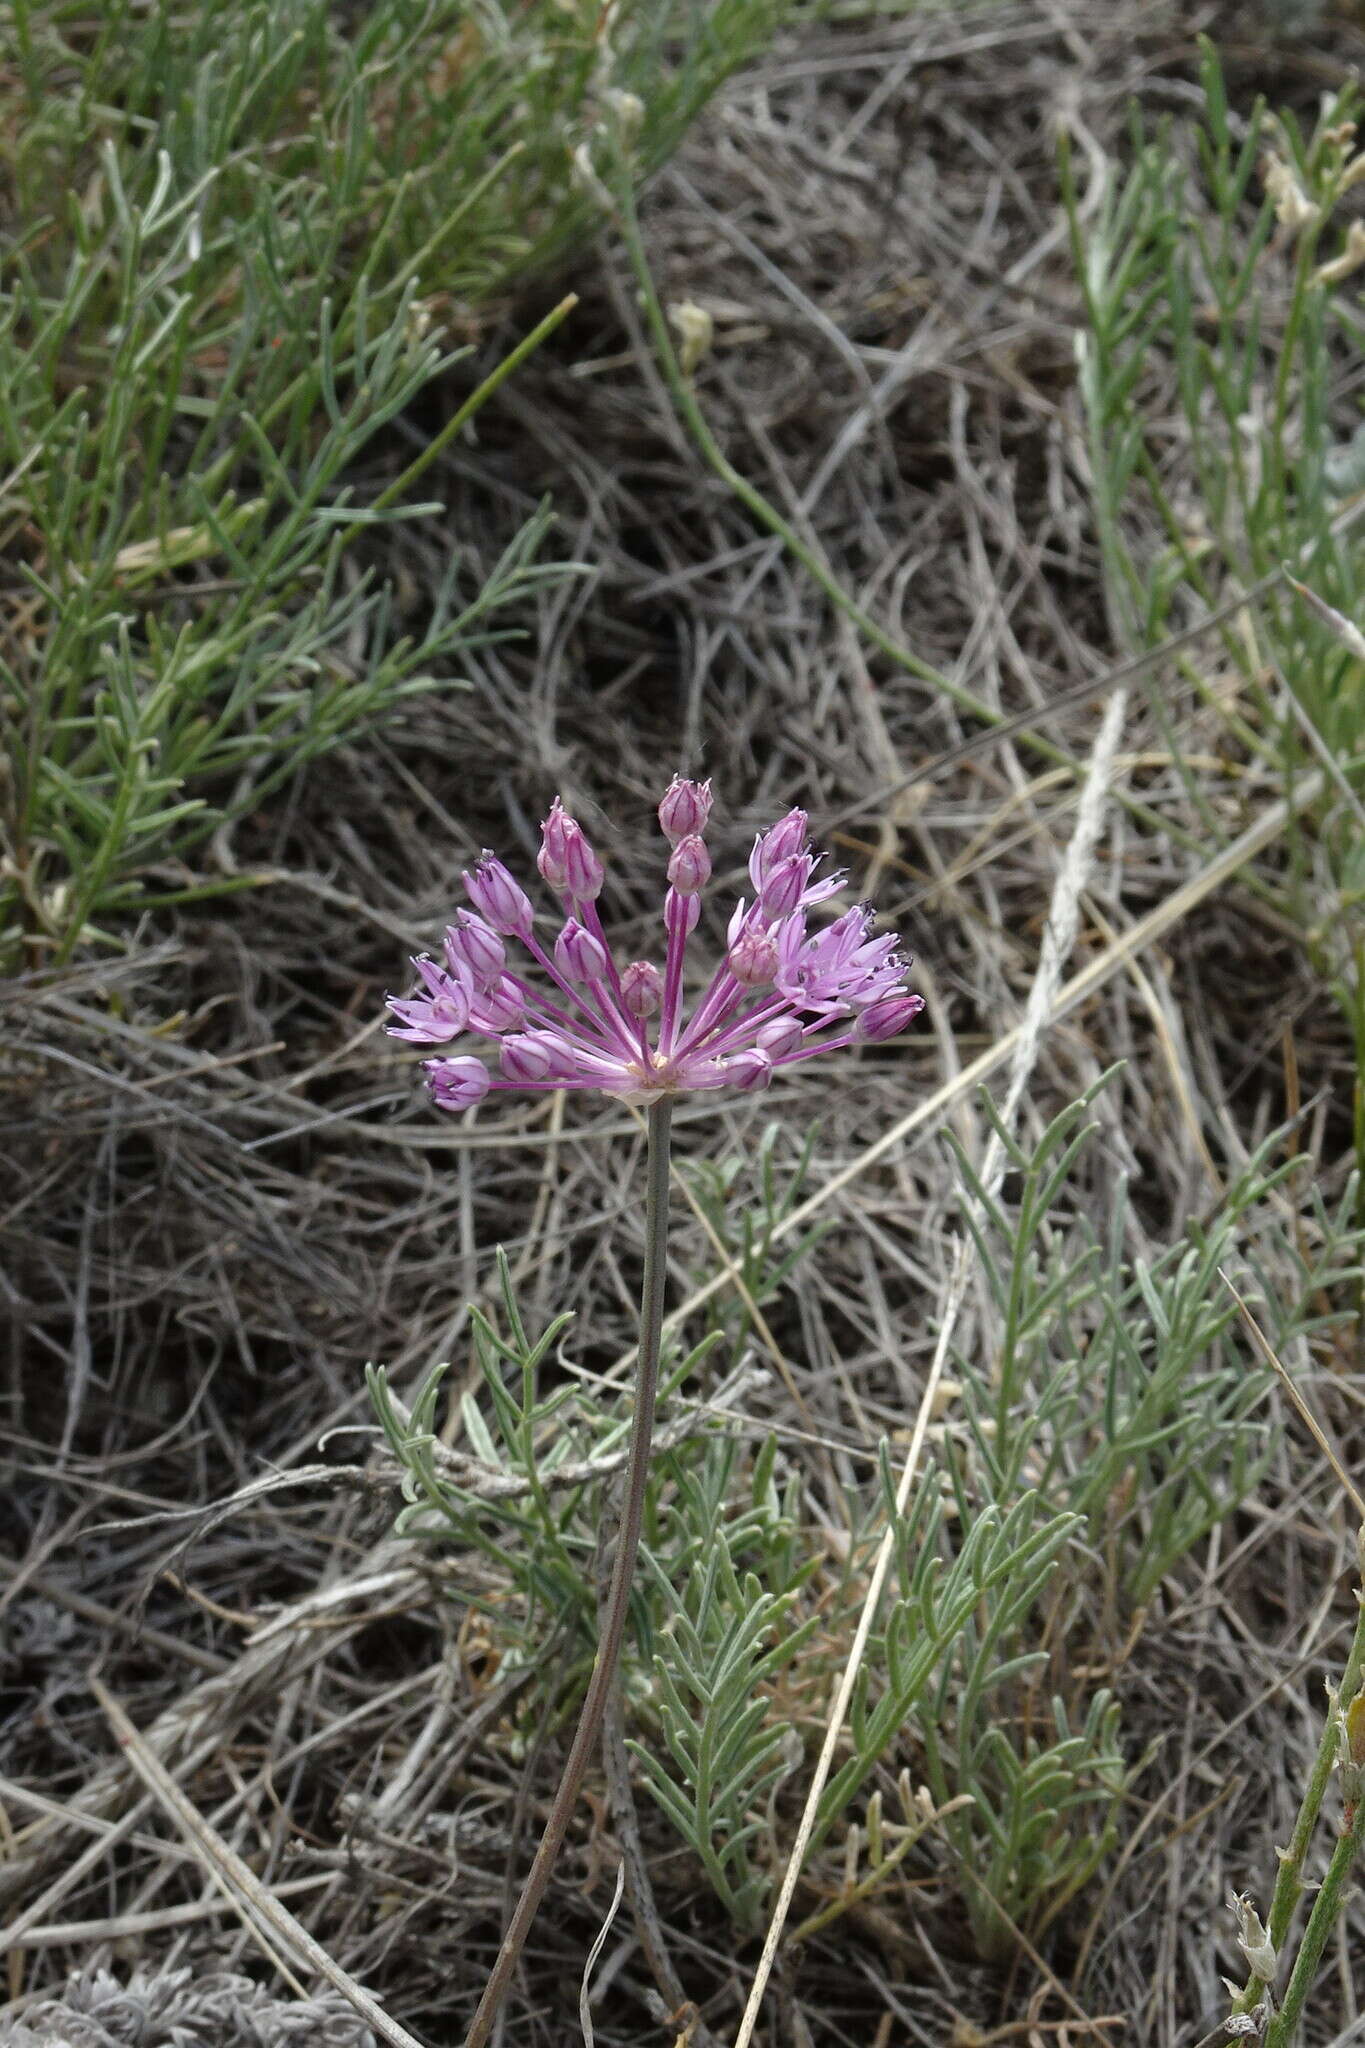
<point>613,1620</point>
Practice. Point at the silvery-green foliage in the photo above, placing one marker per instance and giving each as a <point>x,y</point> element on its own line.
<point>183,2008</point>
<point>745,1200</point>
<point>1121,1387</point>
<point>1114,1416</point>
<point>1031,1805</point>
<point>1119,1395</point>
<point>152,706</point>
<point>1223,449</point>
<point>247,240</point>
<point>940,1582</point>
<point>721,1582</point>
<point>1031,1818</point>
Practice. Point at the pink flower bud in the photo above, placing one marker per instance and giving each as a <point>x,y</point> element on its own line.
<point>642,989</point>
<point>566,861</point>
<point>750,1069</point>
<point>689,867</point>
<point>553,846</point>
<point>498,1009</point>
<point>579,956</point>
<point>696,1070</point>
<point>501,899</point>
<point>753,958</point>
<point>784,886</point>
<point>529,1057</point>
<point>886,1018</point>
<point>685,809</point>
<point>781,1038</point>
<point>782,841</point>
<point>680,914</point>
<point>472,943</point>
<point>457,1084</point>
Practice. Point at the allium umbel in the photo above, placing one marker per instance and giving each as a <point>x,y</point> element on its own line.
<point>784,992</point>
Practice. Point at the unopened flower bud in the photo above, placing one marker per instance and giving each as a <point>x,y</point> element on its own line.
<point>578,955</point>
<point>459,1083</point>
<point>629,110</point>
<point>500,898</point>
<point>642,989</point>
<point>529,1057</point>
<point>685,808</point>
<point>566,861</point>
<point>695,330</point>
<point>472,942</point>
<point>782,841</point>
<point>781,1038</point>
<point>784,886</point>
<point>750,1069</point>
<point>680,914</point>
<point>1349,261</point>
<point>1253,1940</point>
<point>689,868</point>
<point>887,1017</point>
<point>1293,207</point>
<point>754,958</point>
<point>498,1009</point>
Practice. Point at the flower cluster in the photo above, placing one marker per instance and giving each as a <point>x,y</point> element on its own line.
<point>783,992</point>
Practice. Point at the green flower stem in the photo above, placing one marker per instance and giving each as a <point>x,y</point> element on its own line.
<point>1289,1883</point>
<point>496,376</point>
<point>613,1625</point>
<point>1327,1910</point>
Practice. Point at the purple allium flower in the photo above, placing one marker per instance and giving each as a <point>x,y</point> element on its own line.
<point>780,1039</point>
<point>887,1017</point>
<point>442,1013</point>
<point>784,991</point>
<point>457,1084</point>
<point>498,1009</point>
<point>751,1068</point>
<point>783,841</point>
<point>529,1057</point>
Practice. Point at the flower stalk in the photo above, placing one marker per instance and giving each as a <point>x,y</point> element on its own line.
<point>1327,1910</point>
<point>613,1617</point>
<point>1290,1881</point>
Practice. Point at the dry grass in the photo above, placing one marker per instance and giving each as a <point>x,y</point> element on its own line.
<point>229,1195</point>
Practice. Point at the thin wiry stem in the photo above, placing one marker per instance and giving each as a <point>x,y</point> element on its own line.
<point>613,1626</point>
